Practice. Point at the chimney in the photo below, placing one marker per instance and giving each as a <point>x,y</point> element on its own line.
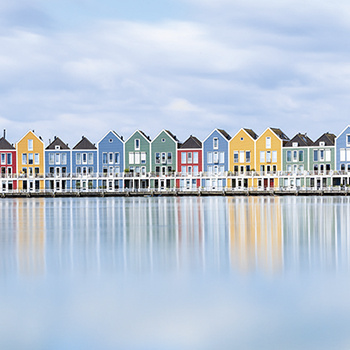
<point>4,133</point>
<point>49,141</point>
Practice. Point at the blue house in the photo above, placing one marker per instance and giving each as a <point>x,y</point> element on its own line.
<point>84,165</point>
<point>57,165</point>
<point>215,159</point>
<point>342,150</point>
<point>111,161</point>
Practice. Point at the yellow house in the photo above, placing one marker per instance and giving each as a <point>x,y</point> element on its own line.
<point>30,162</point>
<point>242,157</point>
<point>268,157</point>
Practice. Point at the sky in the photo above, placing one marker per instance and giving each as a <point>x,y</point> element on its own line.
<point>83,67</point>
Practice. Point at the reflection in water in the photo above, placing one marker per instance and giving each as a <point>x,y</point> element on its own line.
<point>268,234</point>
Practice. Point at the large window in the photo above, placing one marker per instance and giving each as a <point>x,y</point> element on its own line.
<point>268,142</point>
<point>348,140</point>
<point>222,157</point>
<point>195,157</point>
<point>170,158</point>
<point>78,158</point>
<point>137,158</point>
<point>247,156</point>
<point>30,158</point>
<point>210,157</point>
<point>143,157</point>
<point>3,158</point>
<point>57,158</point>
<point>262,157</point>
<point>131,158</point>
<point>157,158</point>
<point>289,156</point>
<point>9,159</point>
<point>36,158</point>
<point>104,158</point>
<point>64,158</point>
<point>315,155</point>
<point>117,158</point>
<point>189,157</point>
<point>90,158</point>
<point>342,154</point>
<point>235,156</point>
<point>301,156</point>
<point>241,156</point>
<point>183,157</point>
<point>163,158</point>
<point>274,156</point>
<point>110,157</point>
<point>30,145</point>
<point>24,158</point>
<point>268,157</point>
<point>216,157</point>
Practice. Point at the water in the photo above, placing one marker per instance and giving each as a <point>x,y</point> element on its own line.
<point>175,273</point>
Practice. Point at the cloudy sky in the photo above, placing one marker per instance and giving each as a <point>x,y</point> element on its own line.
<point>83,67</point>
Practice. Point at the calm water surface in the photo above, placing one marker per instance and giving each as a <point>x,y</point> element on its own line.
<point>175,273</point>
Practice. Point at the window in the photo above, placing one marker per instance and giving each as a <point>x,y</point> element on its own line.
<point>301,156</point>
<point>57,158</point>
<point>295,156</point>
<point>110,140</point>
<point>242,138</point>
<point>9,159</point>
<point>315,155</point>
<point>210,169</point>
<point>241,156</point>
<point>262,157</point>
<point>222,157</point>
<point>24,158</point>
<point>3,158</point>
<point>30,158</point>
<point>90,169</point>
<point>78,170</point>
<point>183,157</point>
<point>170,158</point>
<point>322,144</point>
<point>247,156</point>
<point>78,158</point>
<point>64,158</point>
<point>216,157</point>
<point>289,156</point>
<point>143,157</point>
<point>210,157</point>
<point>268,156</point>
<point>57,147</point>
<point>51,158</point>
<point>51,170</point>
<point>347,155</point>
<point>195,170</point>
<point>90,158</point>
<point>116,158</point>
<point>36,158</point>
<point>157,158</point>
<point>131,158</point>
<point>328,155</point>
<point>84,158</point>
<point>137,158</point>
<point>195,157</point>
<point>235,156</point>
<point>321,154</point>
<point>268,142</point>
<point>189,157</point>
<point>222,169</point>
<point>30,145</point>
<point>342,154</point>
<point>137,144</point>
<point>163,140</point>
<point>110,158</point>
<point>215,143</point>
<point>348,140</point>
<point>274,156</point>
<point>163,158</point>
<point>295,144</point>
<point>104,158</point>
<point>183,170</point>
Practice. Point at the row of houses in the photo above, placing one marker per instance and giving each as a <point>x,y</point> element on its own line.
<point>244,160</point>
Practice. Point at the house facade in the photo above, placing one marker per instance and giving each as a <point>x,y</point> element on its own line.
<point>138,160</point>
<point>57,165</point>
<point>8,164</point>
<point>163,159</point>
<point>242,157</point>
<point>342,150</point>
<point>189,164</point>
<point>84,165</point>
<point>31,162</point>
<point>268,157</point>
<point>111,161</point>
<point>215,159</point>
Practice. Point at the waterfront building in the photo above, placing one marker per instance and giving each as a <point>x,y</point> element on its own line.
<point>137,160</point>
<point>268,157</point>
<point>30,162</point>
<point>111,161</point>
<point>163,160</point>
<point>296,160</point>
<point>242,157</point>
<point>8,163</point>
<point>215,159</point>
<point>342,150</point>
<point>189,163</point>
<point>84,165</point>
<point>57,165</point>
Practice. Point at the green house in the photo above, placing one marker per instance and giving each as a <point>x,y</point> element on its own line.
<point>163,160</point>
<point>137,160</point>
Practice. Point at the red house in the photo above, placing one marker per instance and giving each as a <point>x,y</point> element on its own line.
<point>8,166</point>
<point>189,164</point>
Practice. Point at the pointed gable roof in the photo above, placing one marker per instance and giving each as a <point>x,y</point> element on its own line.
<point>224,133</point>
<point>302,139</point>
<point>57,142</point>
<point>84,143</point>
<point>114,133</point>
<point>170,134</point>
<point>251,133</point>
<point>280,134</point>
<point>191,142</point>
<point>141,133</point>
<point>4,144</point>
<point>327,138</point>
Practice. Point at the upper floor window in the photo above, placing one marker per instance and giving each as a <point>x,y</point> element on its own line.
<point>295,144</point>
<point>315,155</point>
<point>268,142</point>
<point>189,157</point>
<point>78,158</point>
<point>235,156</point>
<point>170,158</point>
<point>64,158</point>
<point>36,158</point>
<point>117,157</point>
<point>289,156</point>
<point>57,158</point>
<point>215,143</point>
<point>247,156</point>
<point>3,158</point>
<point>143,157</point>
<point>137,144</point>
<point>322,143</point>
<point>24,158</point>
<point>301,156</point>
<point>84,158</point>
<point>90,158</point>
<point>9,159</point>
<point>348,140</point>
<point>195,157</point>
<point>30,145</point>
<point>183,157</point>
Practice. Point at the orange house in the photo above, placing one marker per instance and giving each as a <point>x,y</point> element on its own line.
<point>268,157</point>
<point>30,162</point>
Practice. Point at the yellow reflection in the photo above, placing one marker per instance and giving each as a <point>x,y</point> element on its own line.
<point>31,236</point>
<point>256,233</point>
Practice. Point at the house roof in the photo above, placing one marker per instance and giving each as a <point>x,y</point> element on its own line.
<point>302,140</point>
<point>172,135</point>
<point>225,134</point>
<point>191,142</point>
<point>327,138</point>
<point>57,142</point>
<point>280,134</point>
<point>84,143</point>
<point>4,144</point>
<point>251,133</point>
